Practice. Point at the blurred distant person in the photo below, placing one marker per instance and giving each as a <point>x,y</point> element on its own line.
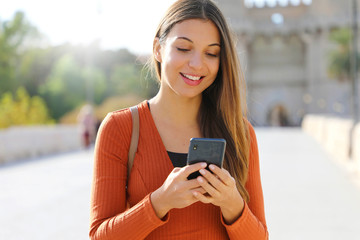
<point>201,95</point>
<point>278,117</point>
<point>87,122</point>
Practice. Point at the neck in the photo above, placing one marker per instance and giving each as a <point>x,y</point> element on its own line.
<point>177,110</point>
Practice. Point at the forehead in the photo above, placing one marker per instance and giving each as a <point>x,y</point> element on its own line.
<point>197,30</point>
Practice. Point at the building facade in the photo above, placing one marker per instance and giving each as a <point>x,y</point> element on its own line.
<point>283,47</point>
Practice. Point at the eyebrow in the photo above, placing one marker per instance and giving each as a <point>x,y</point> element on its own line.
<point>185,38</point>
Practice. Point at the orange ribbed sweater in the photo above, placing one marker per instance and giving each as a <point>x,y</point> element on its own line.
<point>110,218</point>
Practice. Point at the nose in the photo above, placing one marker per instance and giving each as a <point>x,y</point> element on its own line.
<point>196,61</point>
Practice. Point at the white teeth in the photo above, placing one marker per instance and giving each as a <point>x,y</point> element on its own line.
<point>191,77</point>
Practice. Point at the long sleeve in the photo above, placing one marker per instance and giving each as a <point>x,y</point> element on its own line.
<point>251,225</point>
<point>109,218</point>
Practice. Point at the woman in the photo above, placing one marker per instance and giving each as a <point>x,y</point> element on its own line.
<point>202,94</point>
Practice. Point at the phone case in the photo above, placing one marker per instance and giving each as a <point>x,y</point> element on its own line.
<point>209,150</point>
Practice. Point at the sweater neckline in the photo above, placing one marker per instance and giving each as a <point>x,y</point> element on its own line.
<point>143,107</point>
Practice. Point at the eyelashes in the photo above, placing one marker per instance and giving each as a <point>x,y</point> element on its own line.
<point>212,55</point>
<point>188,50</point>
<point>183,49</point>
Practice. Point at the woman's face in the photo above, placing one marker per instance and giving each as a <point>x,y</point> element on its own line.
<point>189,57</point>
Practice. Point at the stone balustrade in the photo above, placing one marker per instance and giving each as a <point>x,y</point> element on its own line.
<point>33,141</point>
<point>337,135</point>
<point>29,142</point>
<point>356,145</point>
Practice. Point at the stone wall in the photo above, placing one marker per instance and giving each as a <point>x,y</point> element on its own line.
<point>285,64</point>
<point>28,142</point>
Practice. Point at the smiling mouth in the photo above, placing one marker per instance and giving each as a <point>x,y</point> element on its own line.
<point>191,77</point>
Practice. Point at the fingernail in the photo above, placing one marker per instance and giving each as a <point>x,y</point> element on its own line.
<point>195,194</point>
<point>212,167</point>
<point>200,180</point>
<point>203,165</point>
<point>202,171</point>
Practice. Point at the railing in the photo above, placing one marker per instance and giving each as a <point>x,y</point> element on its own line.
<point>35,141</point>
<point>338,136</point>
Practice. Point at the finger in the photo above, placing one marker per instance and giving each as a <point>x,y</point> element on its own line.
<point>187,170</point>
<point>199,189</point>
<point>212,179</point>
<point>201,197</point>
<point>176,169</point>
<point>191,184</point>
<point>208,187</point>
<point>223,174</point>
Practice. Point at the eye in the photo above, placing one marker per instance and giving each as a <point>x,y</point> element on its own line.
<point>183,49</point>
<point>212,55</point>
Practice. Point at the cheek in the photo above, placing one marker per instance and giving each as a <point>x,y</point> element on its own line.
<point>171,63</point>
<point>215,67</point>
<point>175,58</point>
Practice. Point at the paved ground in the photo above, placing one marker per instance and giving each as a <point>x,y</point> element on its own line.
<point>308,195</point>
<point>46,198</point>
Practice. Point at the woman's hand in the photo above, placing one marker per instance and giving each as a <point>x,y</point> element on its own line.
<point>221,191</point>
<point>177,190</point>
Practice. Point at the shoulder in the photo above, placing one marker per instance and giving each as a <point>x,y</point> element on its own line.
<point>116,119</point>
<point>115,132</point>
<point>122,116</point>
<point>252,141</point>
<point>120,120</point>
<point>250,130</point>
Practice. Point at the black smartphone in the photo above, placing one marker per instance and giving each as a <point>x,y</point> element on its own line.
<point>209,150</point>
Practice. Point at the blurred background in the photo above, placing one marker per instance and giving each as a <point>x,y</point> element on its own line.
<point>65,64</point>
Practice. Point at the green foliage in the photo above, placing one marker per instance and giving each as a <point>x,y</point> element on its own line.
<point>63,88</point>
<point>34,66</point>
<point>14,35</point>
<point>70,85</point>
<point>22,110</point>
<point>95,83</point>
<point>65,76</point>
<point>124,77</point>
<point>341,36</point>
<point>339,66</point>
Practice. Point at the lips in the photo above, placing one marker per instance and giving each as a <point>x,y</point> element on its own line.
<point>192,80</point>
<point>192,77</point>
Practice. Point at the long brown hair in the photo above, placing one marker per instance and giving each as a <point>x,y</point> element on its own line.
<point>223,109</point>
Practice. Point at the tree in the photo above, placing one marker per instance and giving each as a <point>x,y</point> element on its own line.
<point>70,85</point>
<point>340,58</point>
<point>64,88</point>
<point>65,76</point>
<point>95,84</point>
<point>34,67</point>
<point>22,110</point>
<point>14,35</point>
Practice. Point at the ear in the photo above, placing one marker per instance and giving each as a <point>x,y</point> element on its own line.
<point>157,49</point>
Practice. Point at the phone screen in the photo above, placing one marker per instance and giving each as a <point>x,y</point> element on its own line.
<point>209,150</point>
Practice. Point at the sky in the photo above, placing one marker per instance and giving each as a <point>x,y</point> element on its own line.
<point>116,23</point>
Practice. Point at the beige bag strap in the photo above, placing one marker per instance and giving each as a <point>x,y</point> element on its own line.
<point>134,137</point>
